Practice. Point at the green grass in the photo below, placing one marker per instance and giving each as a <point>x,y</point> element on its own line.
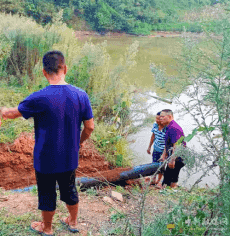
<point>195,27</point>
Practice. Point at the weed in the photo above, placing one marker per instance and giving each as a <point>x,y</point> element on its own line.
<point>91,191</point>
<point>117,216</point>
<point>120,189</point>
<point>34,190</point>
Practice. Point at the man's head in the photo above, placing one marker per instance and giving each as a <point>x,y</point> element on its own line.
<point>54,64</point>
<point>158,118</point>
<point>166,116</point>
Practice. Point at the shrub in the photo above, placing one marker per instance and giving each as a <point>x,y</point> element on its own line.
<point>27,42</point>
<point>111,144</point>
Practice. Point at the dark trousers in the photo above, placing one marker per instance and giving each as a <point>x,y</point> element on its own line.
<point>171,175</point>
<point>47,195</point>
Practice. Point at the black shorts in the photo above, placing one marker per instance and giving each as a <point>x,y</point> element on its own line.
<point>171,175</point>
<point>47,195</point>
<point>156,156</point>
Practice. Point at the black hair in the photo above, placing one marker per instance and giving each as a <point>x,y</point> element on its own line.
<point>168,111</point>
<point>159,113</point>
<point>53,61</point>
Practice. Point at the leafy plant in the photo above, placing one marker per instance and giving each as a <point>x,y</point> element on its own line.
<point>91,191</point>
<point>116,217</point>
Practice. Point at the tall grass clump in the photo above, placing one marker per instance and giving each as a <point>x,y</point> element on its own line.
<point>23,42</point>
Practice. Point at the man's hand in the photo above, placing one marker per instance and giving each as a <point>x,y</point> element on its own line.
<point>86,132</point>
<point>149,150</point>
<point>172,163</point>
<point>10,113</point>
<point>162,158</point>
<point>4,112</point>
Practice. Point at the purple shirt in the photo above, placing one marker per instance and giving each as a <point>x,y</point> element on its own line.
<point>173,134</point>
<point>58,111</point>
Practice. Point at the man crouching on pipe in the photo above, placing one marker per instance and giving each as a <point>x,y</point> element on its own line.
<point>173,133</point>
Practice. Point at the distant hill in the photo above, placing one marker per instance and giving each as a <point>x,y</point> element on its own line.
<point>131,16</point>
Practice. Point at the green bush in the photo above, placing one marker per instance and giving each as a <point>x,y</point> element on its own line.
<point>78,75</point>
<point>24,43</point>
<point>12,6</point>
<point>142,28</point>
<point>111,144</point>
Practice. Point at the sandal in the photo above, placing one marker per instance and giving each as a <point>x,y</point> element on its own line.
<point>38,228</point>
<point>72,229</point>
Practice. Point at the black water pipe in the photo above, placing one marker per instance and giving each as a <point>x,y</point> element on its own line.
<point>135,173</point>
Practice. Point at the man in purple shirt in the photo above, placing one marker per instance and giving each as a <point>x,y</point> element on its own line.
<point>58,111</point>
<point>173,134</point>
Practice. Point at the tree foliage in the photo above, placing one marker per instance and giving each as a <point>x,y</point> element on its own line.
<point>132,16</point>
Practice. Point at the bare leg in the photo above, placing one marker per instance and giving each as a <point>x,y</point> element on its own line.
<point>46,225</point>
<point>173,185</point>
<point>73,210</point>
<point>47,220</point>
<point>160,175</point>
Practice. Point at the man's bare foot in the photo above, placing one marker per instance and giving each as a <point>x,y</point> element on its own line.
<point>154,179</point>
<point>72,226</point>
<point>159,186</point>
<point>173,185</point>
<point>39,227</point>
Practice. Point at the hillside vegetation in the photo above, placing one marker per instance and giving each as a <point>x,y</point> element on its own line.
<point>131,16</point>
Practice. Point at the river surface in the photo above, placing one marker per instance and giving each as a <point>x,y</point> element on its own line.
<point>159,51</point>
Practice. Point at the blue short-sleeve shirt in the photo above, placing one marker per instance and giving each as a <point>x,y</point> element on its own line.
<point>58,111</point>
<point>159,142</point>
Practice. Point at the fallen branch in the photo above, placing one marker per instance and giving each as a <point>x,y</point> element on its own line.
<point>161,99</point>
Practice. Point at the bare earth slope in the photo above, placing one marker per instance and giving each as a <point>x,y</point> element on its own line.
<point>16,163</point>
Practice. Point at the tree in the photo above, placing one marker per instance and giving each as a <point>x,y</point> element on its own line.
<point>207,84</point>
<point>12,6</point>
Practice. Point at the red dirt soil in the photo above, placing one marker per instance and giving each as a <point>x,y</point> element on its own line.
<point>16,163</point>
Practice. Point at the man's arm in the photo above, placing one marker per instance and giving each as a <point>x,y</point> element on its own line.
<point>171,163</point>
<point>88,129</point>
<point>163,156</point>
<point>151,143</point>
<point>10,113</point>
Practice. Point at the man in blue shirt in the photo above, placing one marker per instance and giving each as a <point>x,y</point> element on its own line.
<point>158,138</point>
<point>58,111</point>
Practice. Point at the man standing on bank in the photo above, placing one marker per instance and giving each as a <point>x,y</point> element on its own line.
<point>158,138</point>
<point>58,111</point>
<point>173,134</point>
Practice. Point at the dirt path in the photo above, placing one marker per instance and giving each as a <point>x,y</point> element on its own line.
<point>95,214</point>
